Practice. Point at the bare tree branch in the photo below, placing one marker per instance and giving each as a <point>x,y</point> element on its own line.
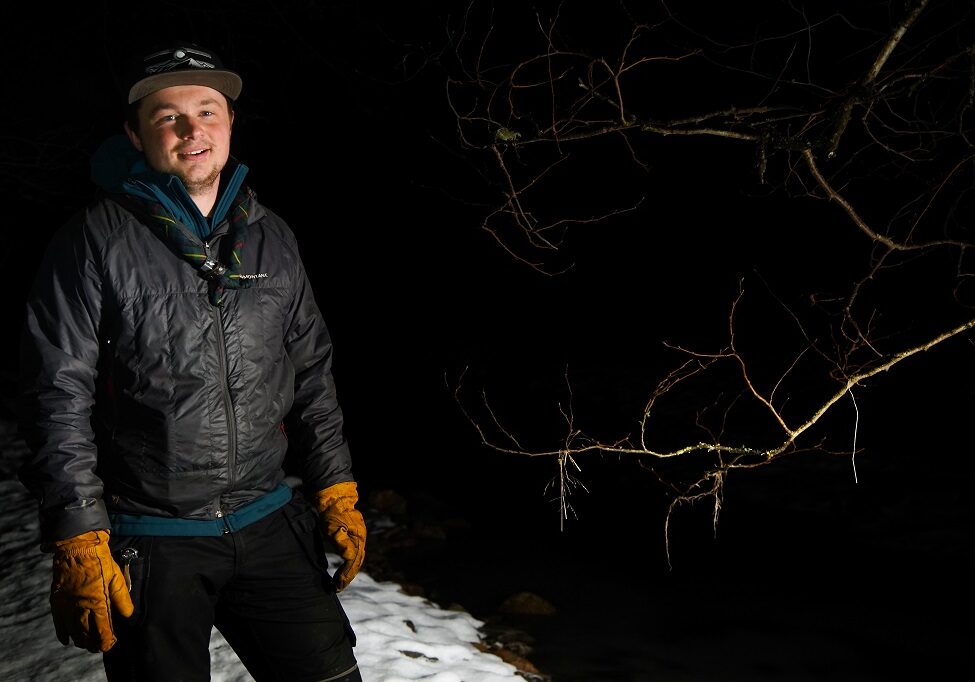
<point>905,183</point>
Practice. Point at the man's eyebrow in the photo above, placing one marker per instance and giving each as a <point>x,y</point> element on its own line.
<point>169,105</point>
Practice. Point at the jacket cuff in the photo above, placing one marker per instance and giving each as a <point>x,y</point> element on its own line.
<point>61,523</point>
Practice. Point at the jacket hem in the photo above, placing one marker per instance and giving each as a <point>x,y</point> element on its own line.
<point>144,524</point>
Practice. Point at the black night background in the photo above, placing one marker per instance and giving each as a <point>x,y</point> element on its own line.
<point>822,565</point>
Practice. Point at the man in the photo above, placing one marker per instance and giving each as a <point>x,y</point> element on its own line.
<point>173,355</point>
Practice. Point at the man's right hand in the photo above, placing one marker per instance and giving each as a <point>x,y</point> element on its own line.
<point>86,584</point>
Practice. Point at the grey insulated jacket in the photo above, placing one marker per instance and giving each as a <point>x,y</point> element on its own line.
<point>141,397</point>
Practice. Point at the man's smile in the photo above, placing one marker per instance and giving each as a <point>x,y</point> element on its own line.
<point>194,155</point>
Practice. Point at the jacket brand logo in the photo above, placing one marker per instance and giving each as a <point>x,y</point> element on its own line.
<point>257,276</point>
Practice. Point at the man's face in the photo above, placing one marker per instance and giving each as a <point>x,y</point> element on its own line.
<point>185,130</point>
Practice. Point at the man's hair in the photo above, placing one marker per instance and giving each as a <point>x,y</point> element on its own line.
<point>132,113</point>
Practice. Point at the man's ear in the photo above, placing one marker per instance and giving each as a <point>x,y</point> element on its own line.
<point>133,137</point>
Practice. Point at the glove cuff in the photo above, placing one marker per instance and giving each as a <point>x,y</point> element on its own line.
<point>84,544</point>
<point>343,495</point>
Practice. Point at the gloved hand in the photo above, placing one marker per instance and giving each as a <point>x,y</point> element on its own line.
<point>87,583</point>
<point>343,523</point>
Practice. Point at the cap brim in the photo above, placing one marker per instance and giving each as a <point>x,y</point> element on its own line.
<point>227,82</point>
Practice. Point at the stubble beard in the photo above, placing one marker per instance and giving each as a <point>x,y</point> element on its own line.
<point>202,185</point>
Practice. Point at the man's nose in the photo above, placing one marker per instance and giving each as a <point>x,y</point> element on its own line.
<point>187,127</point>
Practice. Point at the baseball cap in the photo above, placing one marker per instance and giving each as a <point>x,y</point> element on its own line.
<point>179,63</point>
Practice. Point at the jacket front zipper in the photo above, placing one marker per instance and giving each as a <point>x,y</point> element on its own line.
<point>225,389</point>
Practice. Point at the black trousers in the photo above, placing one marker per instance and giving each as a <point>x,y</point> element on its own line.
<point>266,588</point>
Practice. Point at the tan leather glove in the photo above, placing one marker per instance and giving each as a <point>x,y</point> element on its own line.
<point>87,583</point>
<point>343,523</point>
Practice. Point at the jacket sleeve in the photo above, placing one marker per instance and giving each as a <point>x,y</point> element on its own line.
<point>315,423</point>
<point>58,358</point>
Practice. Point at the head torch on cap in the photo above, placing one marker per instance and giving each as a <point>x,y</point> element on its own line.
<point>180,64</point>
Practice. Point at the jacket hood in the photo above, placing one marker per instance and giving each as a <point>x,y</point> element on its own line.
<point>115,161</point>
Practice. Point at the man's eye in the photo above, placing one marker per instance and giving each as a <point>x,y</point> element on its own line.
<point>170,117</point>
<point>207,113</point>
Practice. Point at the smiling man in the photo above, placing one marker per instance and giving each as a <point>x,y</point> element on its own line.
<point>173,355</point>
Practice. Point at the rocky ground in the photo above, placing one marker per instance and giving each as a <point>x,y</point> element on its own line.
<point>411,537</point>
<point>863,581</point>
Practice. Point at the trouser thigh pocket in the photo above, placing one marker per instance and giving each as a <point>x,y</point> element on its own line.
<point>303,521</point>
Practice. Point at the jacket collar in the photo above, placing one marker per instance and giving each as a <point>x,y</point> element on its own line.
<point>117,166</point>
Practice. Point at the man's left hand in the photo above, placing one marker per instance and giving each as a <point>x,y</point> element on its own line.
<point>343,523</point>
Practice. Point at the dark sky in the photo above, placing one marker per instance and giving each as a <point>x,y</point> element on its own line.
<point>345,124</point>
